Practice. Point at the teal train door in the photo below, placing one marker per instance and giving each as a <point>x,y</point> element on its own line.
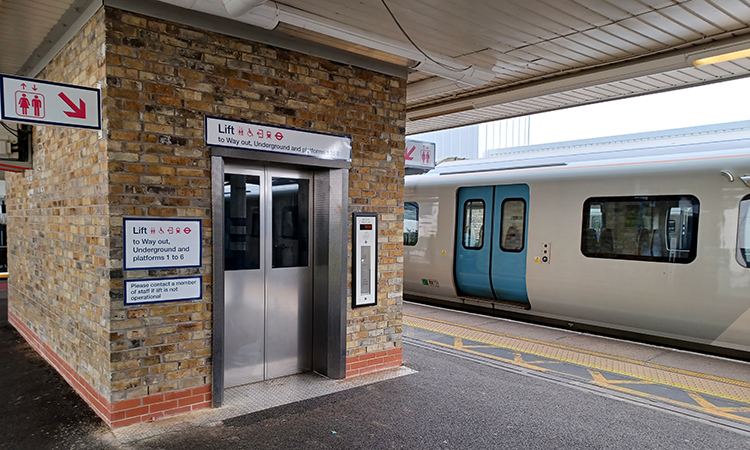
<point>510,222</point>
<point>491,242</point>
<point>473,241</point>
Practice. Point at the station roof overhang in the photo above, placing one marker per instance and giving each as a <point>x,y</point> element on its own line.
<point>466,62</point>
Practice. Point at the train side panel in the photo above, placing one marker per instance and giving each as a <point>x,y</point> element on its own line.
<point>430,261</point>
<point>704,301</point>
<point>667,299</point>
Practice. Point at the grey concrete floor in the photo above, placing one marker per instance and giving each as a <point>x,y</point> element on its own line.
<point>452,402</point>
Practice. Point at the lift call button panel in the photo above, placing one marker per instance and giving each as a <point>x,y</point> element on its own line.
<point>364,278</point>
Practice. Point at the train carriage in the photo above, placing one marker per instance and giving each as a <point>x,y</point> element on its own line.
<point>646,242</point>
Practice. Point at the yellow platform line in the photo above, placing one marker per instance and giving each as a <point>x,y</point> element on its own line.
<point>654,373</point>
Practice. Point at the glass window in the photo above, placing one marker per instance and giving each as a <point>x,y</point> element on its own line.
<point>290,198</point>
<point>653,228</point>
<point>512,226</point>
<point>242,223</point>
<point>743,233</point>
<point>411,223</point>
<point>473,237</point>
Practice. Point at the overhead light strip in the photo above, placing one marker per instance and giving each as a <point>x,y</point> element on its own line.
<point>722,58</point>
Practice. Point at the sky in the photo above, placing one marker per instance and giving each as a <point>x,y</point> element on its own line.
<point>727,101</point>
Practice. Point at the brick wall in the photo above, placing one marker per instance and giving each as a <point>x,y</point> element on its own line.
<point>171,76</point>
<point>376,185</point>
<point>58,228</point>
<point>160,80</point>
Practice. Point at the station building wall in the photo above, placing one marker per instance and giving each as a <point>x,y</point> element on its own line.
<point>159,80</point>
<point>58,221</point>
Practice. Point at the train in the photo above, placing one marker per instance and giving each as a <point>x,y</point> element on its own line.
<point>646,240</point>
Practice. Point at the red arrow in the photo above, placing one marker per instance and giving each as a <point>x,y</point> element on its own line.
<point>79,112</point>
<point>407,153</point>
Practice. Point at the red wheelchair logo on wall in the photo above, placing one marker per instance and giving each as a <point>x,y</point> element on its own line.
<point>30,104</point>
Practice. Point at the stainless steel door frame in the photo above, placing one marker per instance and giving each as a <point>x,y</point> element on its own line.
<point>329,244</point>
<point>268,304</point>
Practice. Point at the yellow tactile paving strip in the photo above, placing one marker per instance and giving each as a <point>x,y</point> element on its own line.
<point>692,382</point>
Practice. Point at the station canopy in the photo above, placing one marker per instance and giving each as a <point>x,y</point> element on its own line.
<point>468,61</point>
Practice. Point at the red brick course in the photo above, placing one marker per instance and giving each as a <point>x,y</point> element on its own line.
<point>120,414</point>
<point>372,362</point>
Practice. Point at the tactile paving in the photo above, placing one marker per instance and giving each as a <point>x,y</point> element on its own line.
<point>682,379</point>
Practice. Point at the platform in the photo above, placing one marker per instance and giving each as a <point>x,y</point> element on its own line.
<point>710,385</point>
<point>469,382</point>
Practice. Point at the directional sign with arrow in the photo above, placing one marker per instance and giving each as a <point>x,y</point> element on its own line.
<point>409,152</point>
<point>48,103</point>
<point>78,112</point>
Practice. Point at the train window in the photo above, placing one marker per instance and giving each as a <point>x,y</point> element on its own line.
<point>743,233</point>
<point>513,224</point>
<point>473,238</point>
<point>652,228</point>
<point>411,223</point>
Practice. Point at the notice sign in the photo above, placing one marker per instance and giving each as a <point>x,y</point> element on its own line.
<point>161,243</point>
<point>163,290</point>
<point>255,136</point>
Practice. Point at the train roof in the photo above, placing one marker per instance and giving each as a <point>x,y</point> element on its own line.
<point>653,146</point>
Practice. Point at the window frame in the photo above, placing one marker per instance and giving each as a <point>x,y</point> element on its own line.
<point>502,222</point>
<point>739,250</point>
<point>416,206</point>
<point>237,259</point>
<point>692,252</point>
<point>484,219</point>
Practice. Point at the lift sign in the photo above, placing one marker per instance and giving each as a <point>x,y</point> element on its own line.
<point>161,243</point>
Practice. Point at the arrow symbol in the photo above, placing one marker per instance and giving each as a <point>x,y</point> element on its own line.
<point>34,87</point>
<point>79,112</point>
<point>408,153</point>
<point>23,85</point>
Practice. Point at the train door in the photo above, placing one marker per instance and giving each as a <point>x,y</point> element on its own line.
<point>491,242</point>
<point>473,236</point>
<point>267,274</point>
<point>508,268</point>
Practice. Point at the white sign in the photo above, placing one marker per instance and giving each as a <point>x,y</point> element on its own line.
<point>419,155</point>
<point>255,136</point>
<point>163,290</point>
<point>161,243</point>
<point>49,103</point>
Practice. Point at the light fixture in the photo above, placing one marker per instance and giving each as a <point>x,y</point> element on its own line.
<point>722,57</point>
<point>718,52</point>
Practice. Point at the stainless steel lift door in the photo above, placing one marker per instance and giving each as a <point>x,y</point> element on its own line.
<point>268,274</point>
